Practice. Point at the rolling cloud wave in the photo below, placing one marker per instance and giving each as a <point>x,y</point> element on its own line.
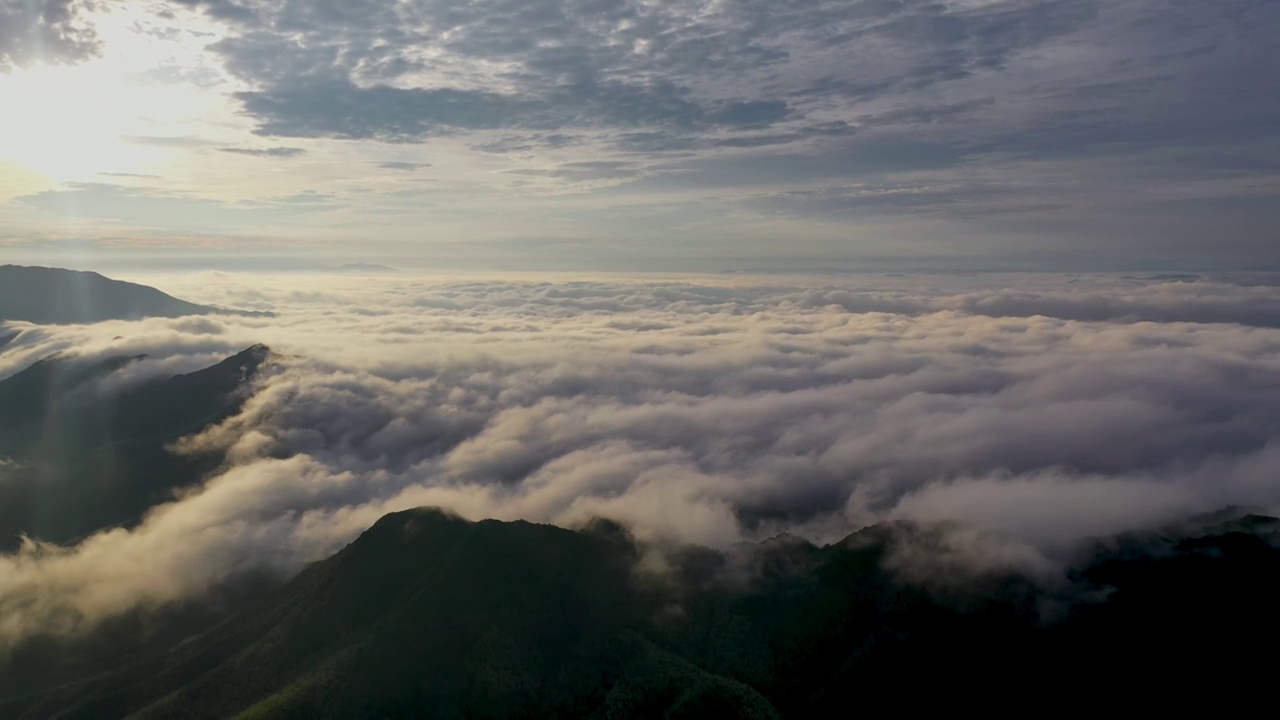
<point>710,410</point>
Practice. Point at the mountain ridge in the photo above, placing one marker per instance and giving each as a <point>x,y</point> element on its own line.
<point>427,614</point>
<point>82,461</point>
<point>57,296</point>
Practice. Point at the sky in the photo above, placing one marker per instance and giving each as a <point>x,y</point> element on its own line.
<point>709,135</point>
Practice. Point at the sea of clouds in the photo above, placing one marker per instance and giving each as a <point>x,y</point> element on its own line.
<point>1035,409</point>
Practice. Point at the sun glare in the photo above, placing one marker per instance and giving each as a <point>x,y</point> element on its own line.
<point>67,123</point>
<point>73,123</point>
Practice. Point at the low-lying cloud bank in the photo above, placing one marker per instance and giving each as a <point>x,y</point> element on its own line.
<point>1040,410</point>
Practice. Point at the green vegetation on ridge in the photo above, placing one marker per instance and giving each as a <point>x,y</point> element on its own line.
<point>429,615</point>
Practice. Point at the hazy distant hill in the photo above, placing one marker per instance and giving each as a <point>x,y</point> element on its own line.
<point>365,269</point>
<point>80,459</point>
<point>56,296</point>
<point>427,615</point>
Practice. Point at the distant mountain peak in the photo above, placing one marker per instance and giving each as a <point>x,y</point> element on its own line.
<point>365,268</point>
<point>259,352</point>
<point>402,528</point>
<point>55,296</point>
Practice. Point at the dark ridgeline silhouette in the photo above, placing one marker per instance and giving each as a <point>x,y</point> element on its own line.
<point>428,615</point>
<point>82,457</point>
<point>55,296</point>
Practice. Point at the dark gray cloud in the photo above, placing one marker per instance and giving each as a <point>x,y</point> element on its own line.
<point>178,141</point>
<point>44,31</point>
<point>403,166</point>
<point>529,143</point>
<point>336,107</point>
<point>591,64</point>
<point>272,152</point>
<point>585,171</point>
<point>925,114</point>
<point>1114,128</point>
<point>234,10</point>
<point>886,198</point>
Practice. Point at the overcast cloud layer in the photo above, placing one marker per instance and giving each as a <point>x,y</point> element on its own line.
<point>1038,410</point>
<point>624,134</point>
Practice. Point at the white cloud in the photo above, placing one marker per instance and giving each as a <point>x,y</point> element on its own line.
<point>705,409</point>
